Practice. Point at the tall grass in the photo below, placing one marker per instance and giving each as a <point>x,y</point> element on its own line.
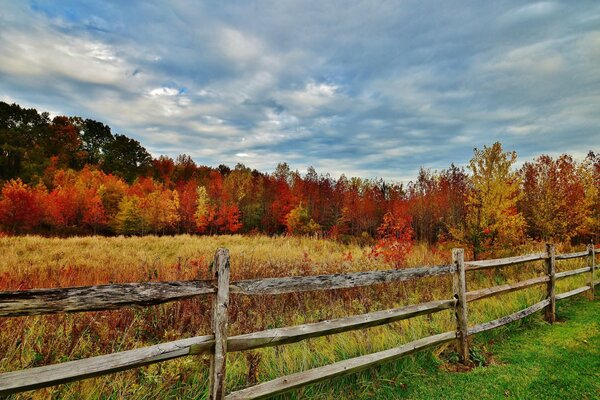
<point>35,262</point>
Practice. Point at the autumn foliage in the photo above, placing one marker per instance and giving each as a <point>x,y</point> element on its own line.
<point>395,239</point>
<point>72,176</point>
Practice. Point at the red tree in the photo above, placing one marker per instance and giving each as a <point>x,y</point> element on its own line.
<point>395,239</point>
<point>20,207</point>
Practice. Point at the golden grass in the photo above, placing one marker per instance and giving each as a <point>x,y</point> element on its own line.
<point>27,262</point>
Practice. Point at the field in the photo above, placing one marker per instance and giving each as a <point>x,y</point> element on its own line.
<point>33,262</point>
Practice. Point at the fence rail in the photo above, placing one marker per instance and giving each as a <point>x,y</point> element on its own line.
<point>107,297</point>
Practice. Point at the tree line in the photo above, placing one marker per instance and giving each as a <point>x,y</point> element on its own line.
<point>69,175</point>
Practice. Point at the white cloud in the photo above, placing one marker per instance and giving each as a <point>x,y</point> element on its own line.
<point>164,91</point>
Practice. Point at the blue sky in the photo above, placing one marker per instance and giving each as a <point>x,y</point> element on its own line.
<point>372,89</point>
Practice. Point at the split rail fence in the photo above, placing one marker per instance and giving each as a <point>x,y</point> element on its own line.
<point>218,344</point>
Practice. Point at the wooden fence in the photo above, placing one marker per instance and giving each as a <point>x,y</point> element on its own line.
<point>218,344</point>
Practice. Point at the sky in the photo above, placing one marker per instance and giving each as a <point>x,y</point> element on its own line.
<point>370,89</point>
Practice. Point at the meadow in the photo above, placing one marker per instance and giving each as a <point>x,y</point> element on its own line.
<point>37,262</point>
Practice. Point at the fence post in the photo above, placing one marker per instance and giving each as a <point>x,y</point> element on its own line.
<point>551,271</point>
<point>592,265</point>
<point>460,294</point>
<point>220,271</point>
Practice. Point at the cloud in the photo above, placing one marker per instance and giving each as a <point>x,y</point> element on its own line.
<point>369,89</point>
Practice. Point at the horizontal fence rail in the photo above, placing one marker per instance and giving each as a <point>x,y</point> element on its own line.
<point>503,262</point>
<point>352,365</point>
<point>98,298</point>
<point>335,281</point>
<point>113,296</point>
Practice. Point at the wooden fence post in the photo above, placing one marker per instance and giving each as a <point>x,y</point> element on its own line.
<point>219,324</point>
<point>460,294</point>
<point>592,265</point>
<point>551,271</point>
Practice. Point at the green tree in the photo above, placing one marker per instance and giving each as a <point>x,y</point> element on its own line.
<point>127,158</point>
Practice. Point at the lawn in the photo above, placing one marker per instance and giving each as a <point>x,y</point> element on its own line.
<point>529,360</point>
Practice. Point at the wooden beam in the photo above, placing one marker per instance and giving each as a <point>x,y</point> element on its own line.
<point>592,266</point>
<point>572,292</point>
<point>479,294</point>
<point>334,281</point>
<point>572,272</point>
<point>98,298</point>
<point>509,318</point>
<point>293,334</point>
<point>569,256</point>
<point>220,325</point>
<point>460,294</point>
<point>502,262</point>
<point>551,291</point>
<point>290,382</point>
<point>49,375</point>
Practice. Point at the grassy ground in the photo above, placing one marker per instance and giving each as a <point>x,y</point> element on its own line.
<point>529,360</point>
<point>34,262</point>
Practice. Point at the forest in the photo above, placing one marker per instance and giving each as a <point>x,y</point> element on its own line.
<point>67,176</point>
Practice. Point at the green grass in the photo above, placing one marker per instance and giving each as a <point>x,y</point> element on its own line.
<point>531,360</point>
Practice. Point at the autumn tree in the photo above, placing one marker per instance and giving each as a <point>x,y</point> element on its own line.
<point>492,218</point>
<point>20,206</point>
<point>204,214</point>
<point>394,239</point>
<point>159,210</point>
<point>187,193</point>
<point>299,222</point>
<point>553,200</point>
<point>94,214</point>
<point>129,220</point>
<point>589,173</point>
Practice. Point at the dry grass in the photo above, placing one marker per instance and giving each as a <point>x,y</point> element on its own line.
<point>28,262</point>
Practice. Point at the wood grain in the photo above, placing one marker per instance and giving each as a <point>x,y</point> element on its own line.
<point>290,382</point>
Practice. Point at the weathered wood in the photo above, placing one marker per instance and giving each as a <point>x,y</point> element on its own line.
<point>592,266</point>
<point>334,281</point>
<point>293,334</point>
<point>551,292</point>
<point>220,325</point>
<point>479,294</point>
<point>290,382</point>
<point>509,318</point>
<point>39,377</point>
<point>569,256</point>
<point>18,381</point>
<point>572,272</point>
<point>572,292</point>
<point>97,298</point>
<point>502,262</point>
<point>460,294</point>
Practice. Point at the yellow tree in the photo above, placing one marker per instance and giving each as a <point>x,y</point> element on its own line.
<point>159,210</point>
<point>129,220</point>
<point>589,171</point>
<point>203,215</point>
<point>492,218</point>
<point>299,222</point>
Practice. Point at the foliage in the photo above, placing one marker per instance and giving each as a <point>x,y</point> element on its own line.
<point>82,179</point>
<point>395,239</point>
<point>20,206</point>
<point>299,222</point>
<point>492,219</point>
